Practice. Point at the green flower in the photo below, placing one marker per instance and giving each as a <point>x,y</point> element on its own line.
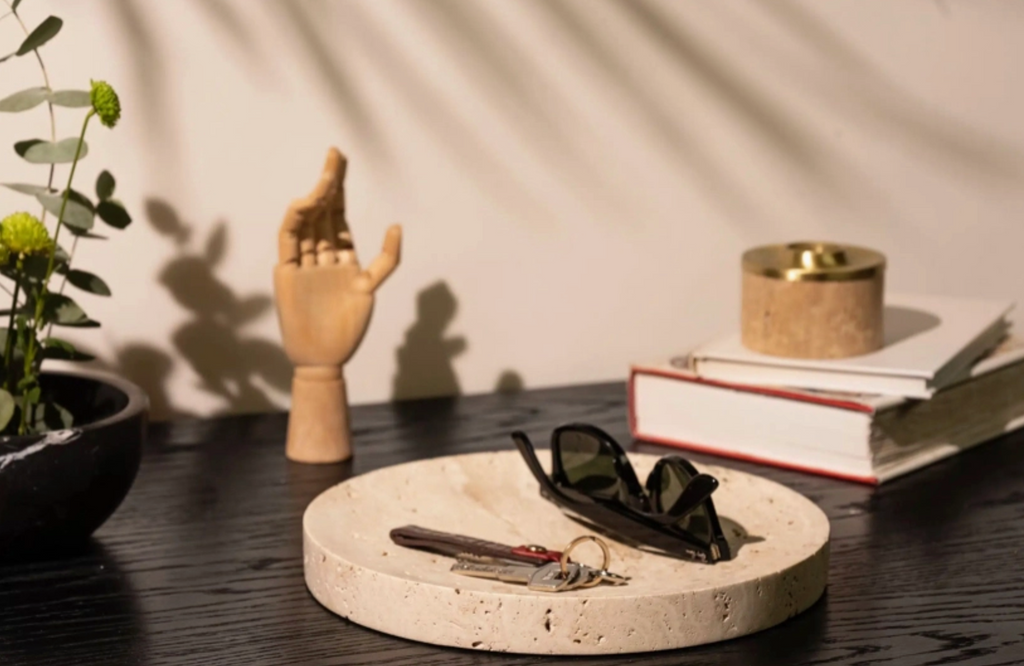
<point>23,233</point>
<point>105,102</point>
<point>5,255</point>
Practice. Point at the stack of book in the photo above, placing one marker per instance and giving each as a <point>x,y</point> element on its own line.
<point>950,376</point>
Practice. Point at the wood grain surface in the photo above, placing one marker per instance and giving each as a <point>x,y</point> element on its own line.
<point>203,562</point>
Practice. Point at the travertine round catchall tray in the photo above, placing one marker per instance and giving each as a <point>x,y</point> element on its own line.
<point>780,568</point>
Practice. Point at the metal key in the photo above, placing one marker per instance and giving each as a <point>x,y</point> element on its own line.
<point>546,578</point>
<point>590,577</point>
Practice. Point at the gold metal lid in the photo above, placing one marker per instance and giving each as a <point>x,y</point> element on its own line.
<point>813,262</point>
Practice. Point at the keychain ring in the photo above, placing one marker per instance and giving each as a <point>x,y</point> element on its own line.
<point>605,553</point>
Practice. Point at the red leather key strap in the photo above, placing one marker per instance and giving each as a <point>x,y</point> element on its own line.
<point>539,553</point>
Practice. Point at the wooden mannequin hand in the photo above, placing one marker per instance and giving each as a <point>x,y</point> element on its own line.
<point>324,301</point>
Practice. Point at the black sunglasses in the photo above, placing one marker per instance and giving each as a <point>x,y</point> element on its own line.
<point>592,478</point>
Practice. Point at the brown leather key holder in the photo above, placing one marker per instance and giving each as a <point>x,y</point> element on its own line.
<point>454,545</point>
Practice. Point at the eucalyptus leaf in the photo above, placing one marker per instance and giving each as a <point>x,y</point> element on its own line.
<point>23,309</point>
<point>63,417</point>
<point>62,350</point>
<point>76,214</point>
<point>26,188</point>
<point>24,100</point>
<point>216,245</point>
<point>86,234</point>
<point>6,408</point>
<point>38,151</point>
<point>63,311</point>
<point>80,198</point>
<point>49,416</point>
<point>16,344</point>
<point>89,282</point>
<point>71,98</point>
<point>113,213</point>
<point>43,33</point>
<point>8,56</point>
<point>105,185</point>
<point>33,270</point>
<point>14,5</point>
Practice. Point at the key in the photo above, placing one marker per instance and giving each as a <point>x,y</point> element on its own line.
<point>545,578</point>
<point>588,576</point>
<point>591,577</point>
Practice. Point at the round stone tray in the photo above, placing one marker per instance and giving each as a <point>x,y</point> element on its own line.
<point>780,568</point>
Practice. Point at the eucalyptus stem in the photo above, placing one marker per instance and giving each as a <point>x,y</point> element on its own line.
<point>9,343</point>
<point>26,404</point>
<point>63,206</point>
<point>37,322</point>
<point>49,103</point>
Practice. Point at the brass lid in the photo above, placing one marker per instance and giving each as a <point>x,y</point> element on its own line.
<point>813,262</point>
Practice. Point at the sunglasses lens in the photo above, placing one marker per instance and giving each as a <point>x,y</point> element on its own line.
<point>671,485</point>
<point>589,464</point>
<point>697,523</point>
<point>674,479</point>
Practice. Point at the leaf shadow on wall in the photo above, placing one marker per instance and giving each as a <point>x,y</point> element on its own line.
<point>814,52</point>
<point>234,367</point>
<point>231,365</point>
<point>150,367</point>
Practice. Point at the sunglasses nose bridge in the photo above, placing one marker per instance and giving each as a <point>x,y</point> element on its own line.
<point>653,483</point>
<point>636,502</point>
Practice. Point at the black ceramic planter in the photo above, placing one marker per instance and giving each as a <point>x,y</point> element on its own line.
<point>56,489</point>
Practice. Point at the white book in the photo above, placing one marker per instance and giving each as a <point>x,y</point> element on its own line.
<point>867,438</point>
<point>930,342</point>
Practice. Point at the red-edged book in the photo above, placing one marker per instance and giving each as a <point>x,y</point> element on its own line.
<point>866,438</point>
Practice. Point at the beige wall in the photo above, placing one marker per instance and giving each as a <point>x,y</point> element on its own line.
<point>576,179</point>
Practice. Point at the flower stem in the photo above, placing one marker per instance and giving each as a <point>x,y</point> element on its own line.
<point>41,298</point>
<point>9,343</point>
<point>64,279</point>
<point>63,206</point>
<point>49,104</point>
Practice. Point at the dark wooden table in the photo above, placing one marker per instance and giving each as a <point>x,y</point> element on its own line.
<point>202,564</point>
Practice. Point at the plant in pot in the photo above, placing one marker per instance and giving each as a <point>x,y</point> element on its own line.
<point>69,442</point>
